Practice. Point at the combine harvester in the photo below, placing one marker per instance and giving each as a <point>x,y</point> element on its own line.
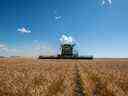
<point>67,50</point>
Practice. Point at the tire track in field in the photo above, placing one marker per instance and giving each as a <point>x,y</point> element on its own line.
<point>79,90</point>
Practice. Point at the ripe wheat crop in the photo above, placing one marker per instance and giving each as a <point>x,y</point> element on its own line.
<point>31,77</point>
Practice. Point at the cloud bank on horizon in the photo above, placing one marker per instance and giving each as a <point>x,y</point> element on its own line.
<point>5,50</point>
<point>3,47</point>
<point>32,50</point>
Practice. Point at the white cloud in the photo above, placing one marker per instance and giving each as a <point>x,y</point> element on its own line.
<point>24,30</point>
<point>58,17</point>
<point>110,1</point>
<point>67,40</point>
<point>103,2</point>
<point>106,3</point>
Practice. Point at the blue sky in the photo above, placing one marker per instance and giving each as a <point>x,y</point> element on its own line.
<point>99,31</point>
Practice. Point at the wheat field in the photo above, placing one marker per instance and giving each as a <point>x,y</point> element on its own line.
<point>50,77</point>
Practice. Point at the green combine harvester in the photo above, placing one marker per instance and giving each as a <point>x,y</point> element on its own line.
<point>67,50</point>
